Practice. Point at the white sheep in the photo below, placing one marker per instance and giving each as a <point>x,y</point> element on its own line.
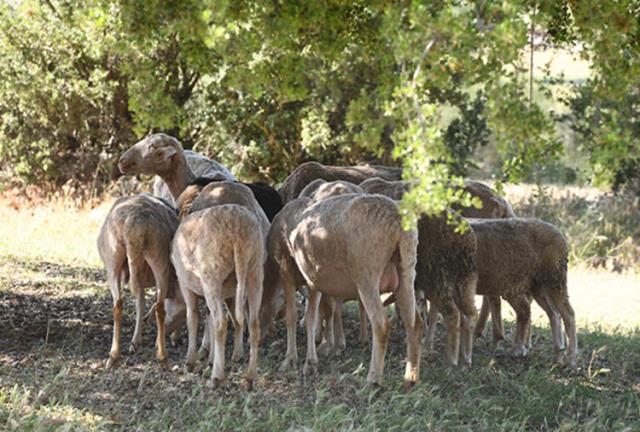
<point>348,246</point>
<point>164,156</point>
<point>218,254</point>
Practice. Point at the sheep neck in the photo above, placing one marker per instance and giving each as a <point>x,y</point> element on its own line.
<point>179,176</point>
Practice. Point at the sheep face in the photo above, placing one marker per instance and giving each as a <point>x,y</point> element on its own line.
<point>152,155</point>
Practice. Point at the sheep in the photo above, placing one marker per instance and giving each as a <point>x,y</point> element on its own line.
<point>523,258</point>
<point>265,195</point>
<point>137,233</point>
<point>331,309</point>
<point>391,189</point>
<point>164,156</point>
<point>320,188</point>
<point>348,246</point>
<point>196,198</point>
<point>309,171</point>
<point>447,273</point>
<point>213,251</point>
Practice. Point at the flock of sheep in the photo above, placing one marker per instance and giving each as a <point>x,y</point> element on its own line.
<point>334,234</point>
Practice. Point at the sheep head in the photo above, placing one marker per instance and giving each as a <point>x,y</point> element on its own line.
<point>154,154</point>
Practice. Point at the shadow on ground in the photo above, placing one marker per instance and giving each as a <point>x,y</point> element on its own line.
<point>54,340</point>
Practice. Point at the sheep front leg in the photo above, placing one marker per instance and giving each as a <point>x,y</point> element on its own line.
<point>432,318</point>
<point>328,306</point>
<point>496,318</point>
<point>136,340</point>
<point>218,329</point>
<point>340,340</point>
<point>362,315</point>
<point>521,305</point>
<point>162,277</point>
<point>311,362</point>
<point>192,327</point>
<point>466,339</point>
<point>482,318</point>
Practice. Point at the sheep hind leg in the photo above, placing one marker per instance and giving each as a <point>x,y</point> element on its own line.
<point>466,339</point>
<point>451,317</point>
<point>406,305</point>
<point>380,327</point>
<point>254,289</point>
<point>560,300</point>
<point>310,318</point>
<point>238,331</point>
<point>554,322</point>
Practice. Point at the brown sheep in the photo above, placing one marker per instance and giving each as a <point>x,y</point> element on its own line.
<point>135,239</point>
<point>520,259</point>
<point>310,171</point>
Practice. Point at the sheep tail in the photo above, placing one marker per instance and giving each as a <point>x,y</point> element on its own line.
<point>242,266</point>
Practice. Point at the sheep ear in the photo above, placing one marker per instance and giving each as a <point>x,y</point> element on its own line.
<point>166,153</point>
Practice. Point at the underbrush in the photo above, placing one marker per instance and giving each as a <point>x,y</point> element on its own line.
<point>603,229</point>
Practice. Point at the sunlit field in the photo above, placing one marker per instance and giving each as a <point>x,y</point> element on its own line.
<point>55,333</point>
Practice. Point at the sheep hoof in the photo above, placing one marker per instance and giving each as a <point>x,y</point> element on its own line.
<point>519,352</point>
<point>288,364</point>
<point>570,362</point>
<point>310,369</point>
<point>111,362</point>
<point>214,383</point>
<point>203,353</point>
<point>558,358</point>
<point>325,349</point>
<point>408,386</point>
<point>134,348</point>
<point>189,367</point>
<point>249,384</point>
<point>175,339</point>
<point>237,356</point>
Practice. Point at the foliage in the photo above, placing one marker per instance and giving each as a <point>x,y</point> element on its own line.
<point>265,85</point>
<point>609,131</point>
<point>602,230</point>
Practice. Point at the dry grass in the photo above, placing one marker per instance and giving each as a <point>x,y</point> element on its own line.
<point>55,311</point>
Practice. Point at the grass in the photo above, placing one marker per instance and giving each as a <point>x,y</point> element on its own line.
<point>55,330</point>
